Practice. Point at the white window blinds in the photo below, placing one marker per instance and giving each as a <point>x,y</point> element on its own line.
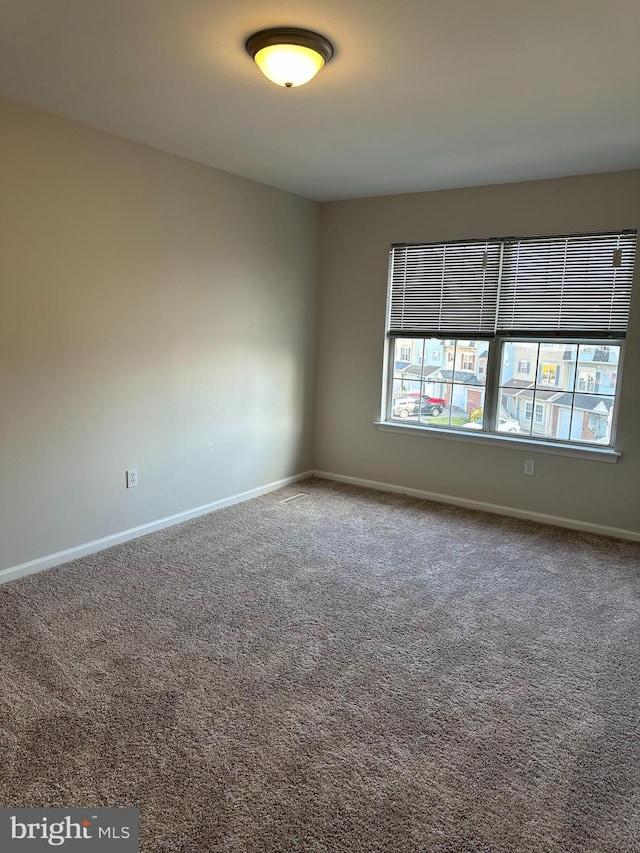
<point>567,285</point>
<point>576,285</point>
<point>448,288</point>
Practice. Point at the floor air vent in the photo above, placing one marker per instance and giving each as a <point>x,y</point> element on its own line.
<point>294,498</point>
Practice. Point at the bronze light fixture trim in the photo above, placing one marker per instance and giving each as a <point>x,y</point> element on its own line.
<point>289,56</point>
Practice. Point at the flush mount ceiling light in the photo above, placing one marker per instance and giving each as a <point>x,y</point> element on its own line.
<point>289,56</point>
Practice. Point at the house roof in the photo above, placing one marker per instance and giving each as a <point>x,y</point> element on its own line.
<point>416,371</point>
<point>527,393</point>
<point>588,402</point>
<point>517,383</point>
<point>600,356</point>
<point>466,377</point>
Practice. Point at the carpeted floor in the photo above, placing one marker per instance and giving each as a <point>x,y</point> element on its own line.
<point>349,671</point>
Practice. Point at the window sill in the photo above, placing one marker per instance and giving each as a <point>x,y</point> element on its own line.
<point>595,454</point>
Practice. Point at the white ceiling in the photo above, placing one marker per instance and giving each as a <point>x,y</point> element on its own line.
<point>421,94</point>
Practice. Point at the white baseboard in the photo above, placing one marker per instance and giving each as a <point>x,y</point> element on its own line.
<point>47,562</point>
<point>50,560</point>
<point>543,518</point>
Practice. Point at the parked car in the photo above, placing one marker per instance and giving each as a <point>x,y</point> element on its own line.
<point>403,407</point>
<point>508,425</point>
<point>504,425</point>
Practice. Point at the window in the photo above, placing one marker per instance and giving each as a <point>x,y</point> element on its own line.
<point>405,353</point>
<point>586,380</point>
<point>548,374</point>
<point>467,361</point>
<point>430,394</point>
<point>533,329</point>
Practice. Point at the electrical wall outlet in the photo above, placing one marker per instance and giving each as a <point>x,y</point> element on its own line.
<point>529,467</point>
<point>132,478</point>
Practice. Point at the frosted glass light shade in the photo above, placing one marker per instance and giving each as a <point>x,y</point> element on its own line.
<point>289,56</point>
<point>289,64</point>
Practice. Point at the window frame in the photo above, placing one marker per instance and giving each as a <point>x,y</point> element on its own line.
<point>489,433</point>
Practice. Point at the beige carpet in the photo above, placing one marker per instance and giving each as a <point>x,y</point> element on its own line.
<point>350,671</point>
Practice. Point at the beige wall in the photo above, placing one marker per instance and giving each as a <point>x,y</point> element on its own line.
<point>355,239</point>
<point>154,313</point>
<point>159,314</point>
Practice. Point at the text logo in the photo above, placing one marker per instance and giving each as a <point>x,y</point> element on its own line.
<point>37,830</point>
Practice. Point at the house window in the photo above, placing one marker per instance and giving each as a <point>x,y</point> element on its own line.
<point>467,361</point>
<point>586,381</point>
<point>548,374</point>
<point>405,353</point>
<point>551,345</point>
